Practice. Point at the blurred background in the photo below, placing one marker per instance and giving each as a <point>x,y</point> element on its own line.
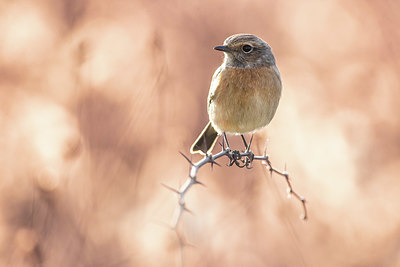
<point>98,97</point>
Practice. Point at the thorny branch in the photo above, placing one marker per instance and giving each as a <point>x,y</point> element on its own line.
<point>240,159</point>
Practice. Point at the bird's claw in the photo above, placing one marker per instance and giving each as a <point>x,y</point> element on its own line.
<point>241,161</point>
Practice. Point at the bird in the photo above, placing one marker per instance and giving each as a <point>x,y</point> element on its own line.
<point>244,93</point>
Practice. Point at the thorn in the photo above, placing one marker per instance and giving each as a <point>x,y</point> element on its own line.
<point>199,183</point>
<point>171,188</point>
<point>209,158</point>
<point>186,209</point>
<point>289,191</point>
<point>212,162</point>
<point>190,162</point>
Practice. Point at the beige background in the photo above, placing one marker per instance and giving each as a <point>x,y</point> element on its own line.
<point>98,97</point>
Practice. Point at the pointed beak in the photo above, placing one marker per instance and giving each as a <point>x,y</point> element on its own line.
<point>223,48</point>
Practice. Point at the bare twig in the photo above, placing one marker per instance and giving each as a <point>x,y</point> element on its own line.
<point>240,159</point>
<point>290,190</point>
<point>192,180</point>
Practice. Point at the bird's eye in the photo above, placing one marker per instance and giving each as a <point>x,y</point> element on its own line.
<point>247,48</point>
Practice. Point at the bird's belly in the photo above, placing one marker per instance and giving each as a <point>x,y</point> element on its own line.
<point>244,116</point>
<point>245,103</point>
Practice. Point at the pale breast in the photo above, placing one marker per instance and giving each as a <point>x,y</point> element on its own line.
<point>243,100</point>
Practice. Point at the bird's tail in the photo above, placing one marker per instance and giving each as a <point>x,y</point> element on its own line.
<point>206,140</point>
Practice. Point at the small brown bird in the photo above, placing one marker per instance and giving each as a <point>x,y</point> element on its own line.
<point>244,92</point>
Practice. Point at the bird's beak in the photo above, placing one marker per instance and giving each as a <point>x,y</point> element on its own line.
<point>223,48</point>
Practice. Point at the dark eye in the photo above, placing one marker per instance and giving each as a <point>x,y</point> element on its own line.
<point>247,48</point>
